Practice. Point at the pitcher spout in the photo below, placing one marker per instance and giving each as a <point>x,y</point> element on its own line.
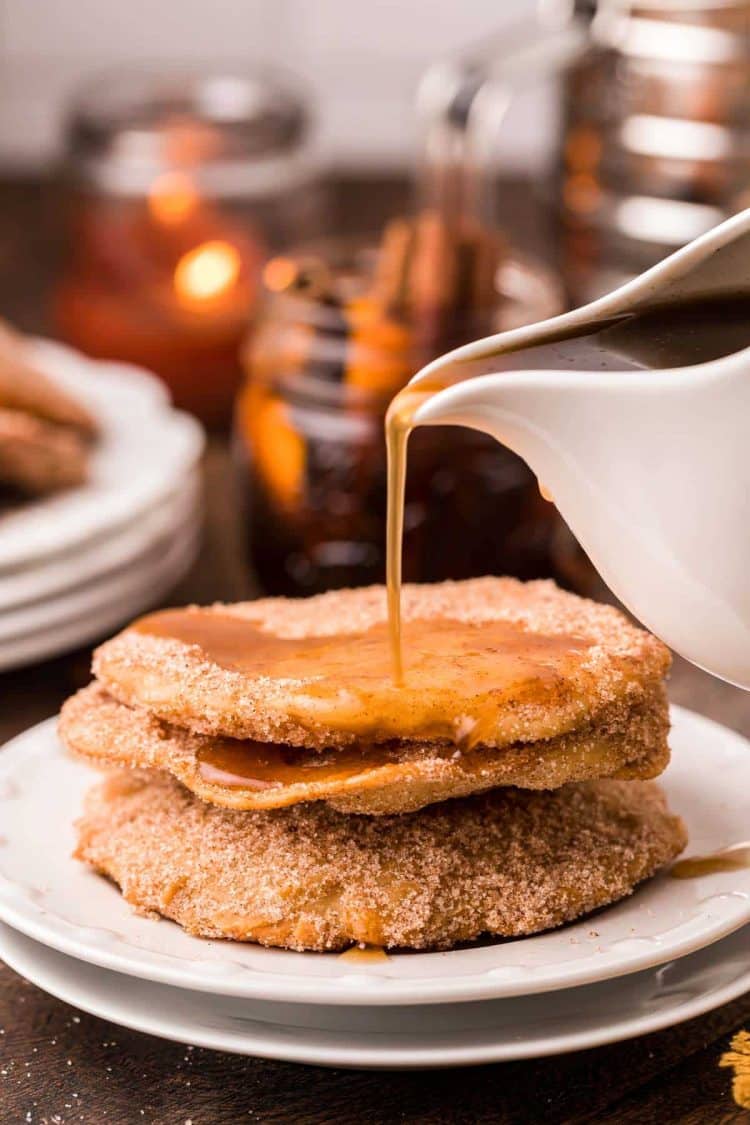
<point>648,468</point>
<point>540,415</point>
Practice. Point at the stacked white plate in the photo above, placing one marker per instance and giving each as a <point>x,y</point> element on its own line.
<point>675,949</point>
<point>76,565</point>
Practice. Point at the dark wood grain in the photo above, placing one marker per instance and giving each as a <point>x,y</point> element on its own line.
<point>58,1066</point>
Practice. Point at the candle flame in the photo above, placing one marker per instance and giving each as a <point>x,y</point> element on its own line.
<point>172,198</point>
<point>207,272</point>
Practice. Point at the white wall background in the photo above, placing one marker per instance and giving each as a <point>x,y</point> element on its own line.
<point>363,60</point>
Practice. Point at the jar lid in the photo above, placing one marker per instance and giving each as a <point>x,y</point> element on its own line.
<point>234,130</point>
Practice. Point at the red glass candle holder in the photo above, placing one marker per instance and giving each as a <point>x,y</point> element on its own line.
<point>181,185</point>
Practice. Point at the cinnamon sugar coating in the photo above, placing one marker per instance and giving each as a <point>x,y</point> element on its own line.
<point>506,863</point>
<point>45,434</point>
<point>395,778</point>
<point>38,457</point>
<point>24,388</point>
<point>618,666</point>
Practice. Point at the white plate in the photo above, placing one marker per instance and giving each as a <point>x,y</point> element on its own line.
<point>98,557</point>
<point>53,899</point>
<point>145,451</point>
<point>93,625</point>
<point>91,597</point>
<point>77,372</point>
<point>423,1036</point>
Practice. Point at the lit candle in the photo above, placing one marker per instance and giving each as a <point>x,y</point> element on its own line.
<point>176,176</point>
<point>170,286</point>
<point>207,274</point>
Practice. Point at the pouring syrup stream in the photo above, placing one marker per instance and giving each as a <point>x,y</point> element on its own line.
<point>399,422</point>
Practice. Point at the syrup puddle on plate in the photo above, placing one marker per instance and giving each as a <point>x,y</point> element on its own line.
<point>366,953</point>
<point>734,858</point>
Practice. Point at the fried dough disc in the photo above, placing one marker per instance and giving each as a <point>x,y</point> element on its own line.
<point>38,457</point>
<point>506,863</point>
<point>24,388</point>
<point>516,662</point>
<point>392,778</point>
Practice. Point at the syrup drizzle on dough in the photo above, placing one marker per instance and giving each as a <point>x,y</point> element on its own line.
<point>528,659</point>
<point>460,677</point>
<point>264,765</point>
<point>394,777</point>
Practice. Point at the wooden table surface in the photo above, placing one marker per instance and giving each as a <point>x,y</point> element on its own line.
<point>58,1066</point>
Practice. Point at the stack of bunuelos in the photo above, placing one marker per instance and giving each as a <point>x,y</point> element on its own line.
<point>274,785</point>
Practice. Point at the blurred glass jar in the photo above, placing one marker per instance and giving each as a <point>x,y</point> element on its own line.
<point>181,186</point>
<point>655,145</point>
<point>654,140</point>
<point>336,340</point>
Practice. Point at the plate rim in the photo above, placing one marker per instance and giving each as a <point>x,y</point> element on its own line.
<point>21,651</point>
<point>97,594</point>
<point>171,512</point>
<point>371,1057</point>
<point>356,988</point>
<point>149,400</point>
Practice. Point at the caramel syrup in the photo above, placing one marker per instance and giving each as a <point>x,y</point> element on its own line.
<point>399,422</point>
<point>459,677</point>
<point>364,953</point>
<point>735,858</point>
<point>244,764</point>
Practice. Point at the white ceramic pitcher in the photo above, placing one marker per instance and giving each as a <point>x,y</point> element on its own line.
<point>650,468</point>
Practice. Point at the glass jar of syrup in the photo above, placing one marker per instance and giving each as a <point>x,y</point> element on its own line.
<point>343,329</point>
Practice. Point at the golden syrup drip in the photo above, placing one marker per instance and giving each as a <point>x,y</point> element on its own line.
<point>397,438</point>
<point>241,764</point>
<point>361,953</point>
<point>459,678</point>
<point>399,422</point>
<point>735,858</point>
